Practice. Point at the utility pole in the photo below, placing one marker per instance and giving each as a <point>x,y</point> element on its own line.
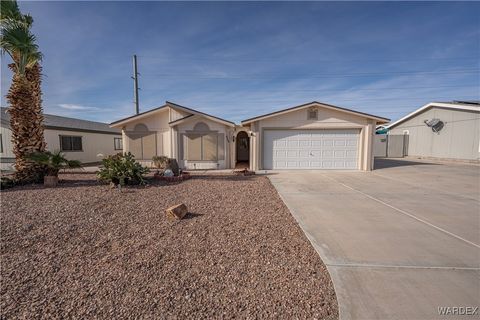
<point>135,83</point>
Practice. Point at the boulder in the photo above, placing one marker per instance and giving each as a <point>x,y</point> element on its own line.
<point>173,165</point>
<point>177,212</point>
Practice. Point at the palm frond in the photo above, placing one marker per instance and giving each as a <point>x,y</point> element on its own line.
<point>9,11</point>
<point>17,40</point>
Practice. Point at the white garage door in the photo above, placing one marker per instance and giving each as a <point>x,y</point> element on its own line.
<point>311,149</point>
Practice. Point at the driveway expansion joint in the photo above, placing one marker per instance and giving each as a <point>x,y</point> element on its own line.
<point>354,265</point>
<point>405,212</point>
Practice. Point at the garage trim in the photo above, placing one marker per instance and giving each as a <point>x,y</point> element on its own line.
<point>360,146</point>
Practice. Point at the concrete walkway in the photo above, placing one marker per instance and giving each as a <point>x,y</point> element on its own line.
<point>399,242</point>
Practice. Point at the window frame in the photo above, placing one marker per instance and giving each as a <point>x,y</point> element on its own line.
<point>115,143</point>
<point>202,136</point>
<point>71,143</point>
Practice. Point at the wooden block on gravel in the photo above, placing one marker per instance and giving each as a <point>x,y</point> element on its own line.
<point>177,212</point>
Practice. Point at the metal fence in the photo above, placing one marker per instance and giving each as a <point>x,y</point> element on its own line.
<point>390,145</point>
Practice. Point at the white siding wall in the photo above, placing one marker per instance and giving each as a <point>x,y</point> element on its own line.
<point>459,138</point>
<point>7,155</point>
<point>92,143</point>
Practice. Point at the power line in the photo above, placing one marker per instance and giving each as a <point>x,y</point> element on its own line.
<point>259,100</point>
<point>332,75</point>
<point>263,59</point>
<point>331,90</point>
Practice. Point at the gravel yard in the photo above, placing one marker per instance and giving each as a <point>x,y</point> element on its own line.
<point>85,250</point>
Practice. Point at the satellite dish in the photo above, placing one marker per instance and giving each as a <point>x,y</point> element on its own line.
<point>435,124</point>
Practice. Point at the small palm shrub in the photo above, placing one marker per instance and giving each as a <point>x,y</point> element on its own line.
<point>53,162</point>
<point>160,162</point>
<point>122,169</point>
<point>164,163</point>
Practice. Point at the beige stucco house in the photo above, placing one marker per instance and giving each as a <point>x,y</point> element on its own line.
<point>310,136</point>
<point>196,139</point>
<point>87,141</point>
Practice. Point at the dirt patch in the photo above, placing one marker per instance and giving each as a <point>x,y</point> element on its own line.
<point>85,250</point>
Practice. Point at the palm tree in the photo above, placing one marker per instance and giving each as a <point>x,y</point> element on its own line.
<point>24,95</point>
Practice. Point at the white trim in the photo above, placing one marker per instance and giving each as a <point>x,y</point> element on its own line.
<point>139,116</point>
<point>441,105</point>
<point>316,104</point>
<point>191,111</point>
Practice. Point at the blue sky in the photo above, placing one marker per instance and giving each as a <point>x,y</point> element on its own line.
<point>237,60</point>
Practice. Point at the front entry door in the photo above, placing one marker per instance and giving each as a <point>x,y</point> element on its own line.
<point>243,146</point>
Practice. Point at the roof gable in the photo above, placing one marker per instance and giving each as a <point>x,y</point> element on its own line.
<point>191,112</point>
<point>206,115</point>
<point>443,105</point>
<point>141,115</point>
<point>315,104</point>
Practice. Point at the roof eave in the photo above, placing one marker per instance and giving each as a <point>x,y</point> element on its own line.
<point>306,105</point>
<point>431,105</point>
<point>213,118</point>
<point>121,122</point>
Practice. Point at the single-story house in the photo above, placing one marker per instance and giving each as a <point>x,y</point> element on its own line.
<point>441,130</point>
<point>310,136</point>
<point>79,139</point>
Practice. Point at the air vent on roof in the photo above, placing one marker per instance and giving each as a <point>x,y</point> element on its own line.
<point>435,124</point>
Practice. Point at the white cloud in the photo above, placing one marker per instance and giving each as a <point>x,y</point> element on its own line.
<point>75,107</point>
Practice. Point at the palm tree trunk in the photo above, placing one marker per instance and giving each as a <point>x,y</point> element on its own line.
<point>26,122</point>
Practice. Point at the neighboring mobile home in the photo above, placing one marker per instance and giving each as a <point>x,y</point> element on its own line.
<point>442,130</point>
<point>310,136</point>
<point>79,139</point>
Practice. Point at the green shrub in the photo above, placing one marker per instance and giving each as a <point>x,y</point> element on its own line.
<point>122,169</point>
<point>6,183</point>
<point>53,161</point>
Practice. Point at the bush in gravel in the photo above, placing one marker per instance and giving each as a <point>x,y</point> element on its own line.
<point>122,169</point>
<point>160,162</point>
<point>164,163</point>
<point>6,183</point>
<point>53,162</point>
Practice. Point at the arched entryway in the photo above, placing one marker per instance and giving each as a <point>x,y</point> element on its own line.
<point>242,150</point>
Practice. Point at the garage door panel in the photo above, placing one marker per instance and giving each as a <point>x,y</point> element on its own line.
<point>303,153</point>
<point>352,142</point>
<point>311,149</point>
<point>292,144</point>
<point>327,153</point>
<point>351,153</point>
<point>292,153</point>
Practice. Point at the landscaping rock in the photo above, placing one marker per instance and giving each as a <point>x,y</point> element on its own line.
<point>173,165</point>
<point>82,251</point>
<point>168,173</point>
<point>177,212</point>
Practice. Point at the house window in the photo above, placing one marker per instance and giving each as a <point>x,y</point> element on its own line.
<point>117,144</point>
<point>202,147</point>
<point>71,143</point>
<point>312,114</point>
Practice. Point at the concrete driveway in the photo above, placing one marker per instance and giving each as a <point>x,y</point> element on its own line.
<point>399,242</point>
